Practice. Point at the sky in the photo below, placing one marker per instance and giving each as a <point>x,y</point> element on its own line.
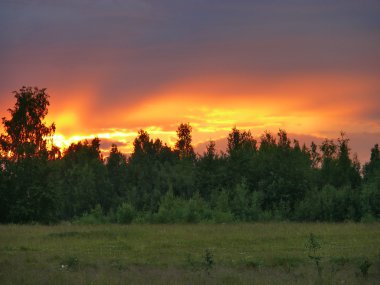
<point>114,67</point>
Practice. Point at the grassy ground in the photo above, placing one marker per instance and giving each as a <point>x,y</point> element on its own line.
<point>272,253</point>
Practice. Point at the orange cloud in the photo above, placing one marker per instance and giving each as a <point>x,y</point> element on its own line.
<point>317,104</point>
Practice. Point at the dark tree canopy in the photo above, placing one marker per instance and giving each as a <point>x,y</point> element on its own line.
<point>238,140</point>
<point>26,133</point>
<point>278,180</point>
<point>373,166</point>
<point>183,144</point>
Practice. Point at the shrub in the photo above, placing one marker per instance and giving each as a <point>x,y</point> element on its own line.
<point>171,209</point>
<point>208,260</point>
<point>329,204</point>
<point>222,217</point>
<point>370,200</point>
<point>197,210</point>
<point>255,210</point>
<point>314,245</point>
<point>364,266</point>
<point>96,216</point>
<point>125,214</point>
<point>70,263</point>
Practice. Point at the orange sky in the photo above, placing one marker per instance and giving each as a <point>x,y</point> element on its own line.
<point>114,67</point>
<point>317,105</point>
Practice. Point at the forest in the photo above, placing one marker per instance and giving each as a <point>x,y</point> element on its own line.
<point>273,178</point>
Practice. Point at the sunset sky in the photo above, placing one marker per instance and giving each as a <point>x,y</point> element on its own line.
<point>114,67</point>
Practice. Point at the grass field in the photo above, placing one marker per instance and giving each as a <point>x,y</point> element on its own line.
<point>272,253</point>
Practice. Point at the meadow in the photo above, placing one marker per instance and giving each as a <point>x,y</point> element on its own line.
<point>260,253</point>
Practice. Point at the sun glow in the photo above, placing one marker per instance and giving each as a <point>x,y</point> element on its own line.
<point>213,106</point>
<point>122,138</point>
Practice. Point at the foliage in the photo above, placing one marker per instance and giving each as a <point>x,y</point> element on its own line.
<point>273,178</point>
<point>70,263</point>
<point>26,133</point>
<point>183,144</point>
<point>125,214</point>
<point>95,216</point>
<point>208,260</point>
<point>364,266</point>
<point>314,245</point>
<point>330,204</point>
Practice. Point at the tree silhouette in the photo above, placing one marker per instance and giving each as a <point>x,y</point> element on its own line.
<point>278,179</point>
<point>373,166</point>
<point>116,167</point>
<point>238,140</point>
<point>183,144</point>
<point>26,133</point>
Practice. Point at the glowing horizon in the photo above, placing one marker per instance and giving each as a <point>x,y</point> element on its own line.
<point>113,68</point>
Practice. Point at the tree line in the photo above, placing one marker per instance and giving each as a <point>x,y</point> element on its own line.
<point>273,178</point>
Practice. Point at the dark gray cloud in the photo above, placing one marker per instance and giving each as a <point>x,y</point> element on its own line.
<point>129,50</point>
<point>138,46</point>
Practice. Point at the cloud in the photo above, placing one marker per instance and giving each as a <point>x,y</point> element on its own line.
<point>309,67</point>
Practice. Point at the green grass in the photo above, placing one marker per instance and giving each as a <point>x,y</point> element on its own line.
<point>272,253</point>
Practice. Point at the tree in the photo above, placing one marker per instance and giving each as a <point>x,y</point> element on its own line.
<point>141,144</point>
<point>117,170</point>
<point>373,166</point>
<point>337,167</point>
<point>240,140</point>
<point>183,144</point>
<point>208,171</point>
<point>241,149</point>
<point>314,155</point>
<point>85,181</point>
<point>211,150</point>
<point>348,169</point>
<point>26,169</point>
<point>26,133</point>
<point>283,141</point>
<point>328,163</point>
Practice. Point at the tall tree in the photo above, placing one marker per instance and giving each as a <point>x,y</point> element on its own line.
<point>208,171</point>
<point>183,144</point>
<point>314,155</point>
<point>373,166</point>
<point>240,140</point>
<point>26,133</point>
<point>26,168</point>
<point>117,170</point>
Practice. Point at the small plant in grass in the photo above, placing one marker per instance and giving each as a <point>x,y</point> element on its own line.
<point>70,263</point>
<point>340,260</point>
<point>314,245</point>
<point>253,263</point>
<point>208,260</point>
<point>364,266</point>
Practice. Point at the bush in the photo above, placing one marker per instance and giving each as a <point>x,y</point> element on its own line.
<point>208,260</point>
<point>96,216</point>
<point>255,210</point>
<point>222,217</point>
<point>364,266</point>
<point>125,214</point>
<point>314,245</point>
<point>370,200</point>
<point>329,204</point>
<point>197,210</point>
<point>239,201</point>
<point>177,210</point>
<point>70,263</point>
<point>171,210</point>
